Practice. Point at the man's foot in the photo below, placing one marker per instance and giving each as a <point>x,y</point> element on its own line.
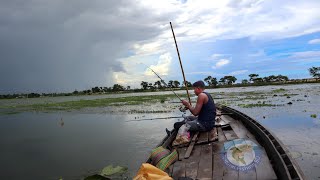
<point>168,132</point>
<point>177,125</point>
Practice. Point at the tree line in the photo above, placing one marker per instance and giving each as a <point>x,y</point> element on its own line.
<point>210,81</point>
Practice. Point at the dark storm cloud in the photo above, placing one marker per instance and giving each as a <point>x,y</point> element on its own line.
<point>49,46</point>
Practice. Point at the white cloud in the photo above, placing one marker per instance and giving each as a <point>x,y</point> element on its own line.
<point>215,56</point>
<point>257,54</point>
<point>238,72</point>
<point>221,62</point>
<point>306,54</point>
<point>314,41</point>
<point>162,67</point>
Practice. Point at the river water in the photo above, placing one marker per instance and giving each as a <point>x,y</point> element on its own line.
<point>72,145</point>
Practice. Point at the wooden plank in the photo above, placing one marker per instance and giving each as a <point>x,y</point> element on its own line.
<point>241,131</point>
<point>181,152</point>
<point>249,174</point>
<point>192,163</point>
<point>245,173</point>
<point>213,135</point>
<point>169,170</point>
<point>228,172</point>
<point>227,119</point>
<point>230,134</point>
<point>205,164</point>
<point>179,169</point>
<point>218,166</point>
<point>264,168</point>
<point>218,147</point>
<point>221,136</point>
<point>203,138</point>
<point>193,141</point>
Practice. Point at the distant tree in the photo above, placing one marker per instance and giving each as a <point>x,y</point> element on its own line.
<point>244,81</point>
<point>315,72</point>
<point>214,82</point>
<point>282,78</point>
<point>258,80</point>
<point>222,81</point>
<point>128,88</point>
<point>230,79</point>
<point>144,85</point>
<point>253,77</point>
<point>176,84</point>
<point>158,85</point>
<point>208,80</point>
<point>211,81</point>
<point>117,87</point>
<point>75,92</point>
<point>150,86</point>
<point>95,89</point>
<point>170,83</point>
<point>188,84</point>
<point>107,89</point>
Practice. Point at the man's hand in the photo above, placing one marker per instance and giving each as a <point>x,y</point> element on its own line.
<point>186,103</point>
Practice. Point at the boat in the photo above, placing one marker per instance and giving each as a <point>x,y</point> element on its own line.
<point>238,147</point>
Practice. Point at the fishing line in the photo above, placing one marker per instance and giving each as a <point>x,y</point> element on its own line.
<point>162,81</point>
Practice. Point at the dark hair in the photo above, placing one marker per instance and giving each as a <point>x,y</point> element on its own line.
<point>199,84</point>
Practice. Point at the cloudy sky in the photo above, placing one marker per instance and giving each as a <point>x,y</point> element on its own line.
<point>63,45</point>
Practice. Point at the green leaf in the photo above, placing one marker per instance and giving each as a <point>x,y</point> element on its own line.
<point>110,170</point>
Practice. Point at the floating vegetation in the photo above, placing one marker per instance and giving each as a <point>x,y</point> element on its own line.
<point>110,170</point>
<point>288,95</point>
<point>9,113</point>
<point>74,105</point>
<point>313,115</point>
<point>254,97</point>
<point>256,105</point>
<point>279,90</point>
<point>151,111</point>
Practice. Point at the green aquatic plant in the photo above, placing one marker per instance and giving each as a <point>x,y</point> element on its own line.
<point>279,90</point>
<point>313,115</point>
<point>256,105</point>
<point>9,113</point>
<point>110,170</point>
<point>150,111</point>
<point>79,104</point>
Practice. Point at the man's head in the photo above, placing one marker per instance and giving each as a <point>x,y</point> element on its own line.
<point>198,87</point>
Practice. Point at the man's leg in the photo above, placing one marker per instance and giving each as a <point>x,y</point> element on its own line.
<point>177,125</point>
<point>195,125</point>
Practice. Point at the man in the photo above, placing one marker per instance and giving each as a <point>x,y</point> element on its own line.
<point>205,110</point>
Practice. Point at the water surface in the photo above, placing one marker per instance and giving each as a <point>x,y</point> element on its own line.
<point>71,145</point>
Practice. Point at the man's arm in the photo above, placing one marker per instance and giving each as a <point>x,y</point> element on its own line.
<point>200,101</point>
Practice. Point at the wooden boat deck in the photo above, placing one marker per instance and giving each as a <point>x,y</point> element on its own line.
<point>205,157</point>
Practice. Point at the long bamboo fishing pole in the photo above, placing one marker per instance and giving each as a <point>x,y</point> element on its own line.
<point>184,78</point>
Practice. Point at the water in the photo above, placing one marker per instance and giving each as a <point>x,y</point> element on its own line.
<point>42,146</point>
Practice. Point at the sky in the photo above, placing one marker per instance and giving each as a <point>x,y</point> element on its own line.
<point>62,46</point>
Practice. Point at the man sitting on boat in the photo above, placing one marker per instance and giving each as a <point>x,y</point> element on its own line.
<point>204,112</point>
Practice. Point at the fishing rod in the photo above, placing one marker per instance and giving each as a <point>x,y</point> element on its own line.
<point>184,78</point>
<point>151,119</point>
<point>163,82</point>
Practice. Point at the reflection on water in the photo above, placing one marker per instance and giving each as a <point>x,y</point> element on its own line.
<point>74,144</point>
<point>36,146</point>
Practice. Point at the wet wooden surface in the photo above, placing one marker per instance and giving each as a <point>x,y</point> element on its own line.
<point>208,158</point>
